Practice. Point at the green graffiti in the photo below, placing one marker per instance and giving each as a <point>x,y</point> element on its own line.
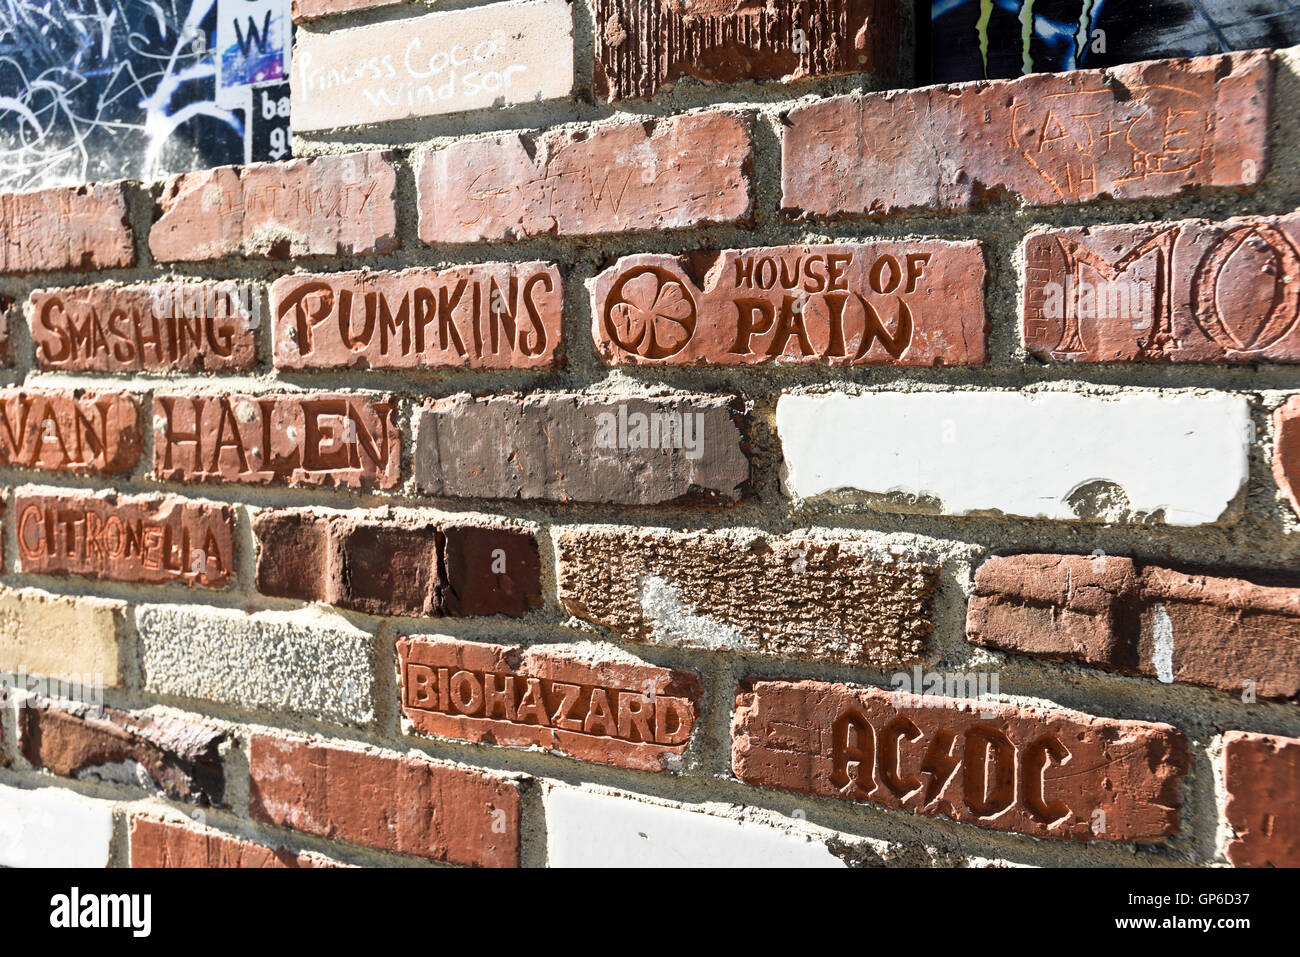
<point>1026,35</point>
<point>982,27</point>
<point>1082,38</point>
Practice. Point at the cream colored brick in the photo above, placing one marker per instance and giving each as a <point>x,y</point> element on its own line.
<point>58,636</point>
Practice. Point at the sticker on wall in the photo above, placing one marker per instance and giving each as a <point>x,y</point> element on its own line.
<point>254,46</point>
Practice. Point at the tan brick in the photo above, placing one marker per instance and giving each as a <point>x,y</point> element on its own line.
<point>46,634</point>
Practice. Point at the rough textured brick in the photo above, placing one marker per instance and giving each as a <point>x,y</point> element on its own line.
<point>1180,459</point>
<point>51,635</point>
<point>178,758</point>
<point>316,438</point>
<point>1143,130</point>
<point>1138,619</point>
<point>658,174</point>
<point>304,662</point>
<point>130,538</point>
<point>889,303</point>
<point>7,315</point>
<point>796,596</point>
<point>156,843</point>
<point>570,448</point>
<point>164,327</point>
<point>326,206</point>
<point>404,565</point>
<point>1165,292</point>
<point>1261,775</point>
<point>1047,773</point>
<point>1286,450</point>
<point>65,431</point>
<point>619,712</point>
<point>643,46</point>
<point>72,227</point>
<point>304,10</point>
<point>488,316</point>
<point>443,812</point>
<point>48,827</point>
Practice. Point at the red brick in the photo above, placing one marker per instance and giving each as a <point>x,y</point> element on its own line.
<point>490,316</point>
<point>1046,773</point>
<point>171,327</point>
<point>399,566</point>
<point>443,812</point>
<point>305,10</point>
<point>83,228</point>
<point>1286,450</point>
<point>659,174</point>
<point>156,843</point>
<point>792,596</point>
<point>6,313</point>
<point>626,714</point>
<point>181,759</point>
<point>325,206</point>
<point>132,539</point>
<point>889,303</point>
<point>1143,130</point>
<point>1136,619</point>
<point>313,438</point>
<point>643,46</point>
<point>1165,292</point>
<point>77,432</point>
<point>1261,775</point>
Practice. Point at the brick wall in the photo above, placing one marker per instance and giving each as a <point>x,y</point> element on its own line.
<point>716,453</point>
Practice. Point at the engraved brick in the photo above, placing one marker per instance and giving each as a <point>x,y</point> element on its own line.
<point>1190,291</point>
<point>619,712</point>
<point>7,315</point>
<point>1261,775</point>
<point>79,432</point>
<point>798,597</point>
<point>325,206</point>
<point>56,636</point>
<point>84,228</point>
<point>1047,773</point>
<point>316,438</point>
<point>403,565</point>
<point>177,758</point>
<point>1143,130</point>
<point>1286,450</point>
<point>489,316</point>
<point>434,64</point>
<point>442,812</point>
<point>659,174</point>
<point>133,539</point>
<point>171,327</point>
<point>1125,616</point>
<point>643,46</point>
<point>156,843</point>
<point>573,448</point>
<point>887,303</point>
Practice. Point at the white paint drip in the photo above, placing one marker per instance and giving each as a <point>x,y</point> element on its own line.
<point>674,624</point>
<point>1162,657</point>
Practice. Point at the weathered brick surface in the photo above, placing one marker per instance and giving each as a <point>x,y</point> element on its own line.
<point>670,173</point>
<point>401,566</point>
<point>305,10</point>
<point>178,758</point>
<point>1261,775</point>
<point>888,303</point>
<point>7,315</point>
<point>169,327</point>
<point>1144,130</point>
<point>56,636</point>
<point>489,316</point>
<point>443,812</point>
<point>156,843</point>
<point>643,46</point>
<point>67,228</point>
<point>1286,450</point>
<point>1126,616</point>
<point>130,538</point>
<point>325,206</point>
<point>573,448</point>
<point>79,432</point>
<point>627,714</point>
<point>1191,291</point>
<point>317,438</point>
<point>1047,773</point>
<point>791,596</point>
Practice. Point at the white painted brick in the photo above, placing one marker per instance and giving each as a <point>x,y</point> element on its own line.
<point>588,829</point>
<point>310,662</point>
<point>46,827</point>
<point>1183,454</point>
